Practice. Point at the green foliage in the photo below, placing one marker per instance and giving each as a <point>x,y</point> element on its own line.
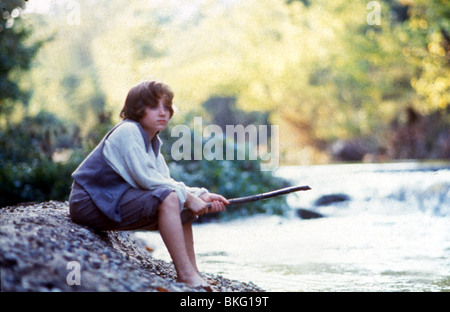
<point>35,180</point>
<point>37,137</point>
<point>16,56</point>
<point>315,68</point>
<point>425,38</point>
<point>29,171</point>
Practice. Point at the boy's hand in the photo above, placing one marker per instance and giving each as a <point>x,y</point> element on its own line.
<point>196,205</point>
<point>217,201</point>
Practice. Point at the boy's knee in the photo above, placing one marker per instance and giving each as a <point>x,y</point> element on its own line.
<point>151,209</point>
<point>170,202</point>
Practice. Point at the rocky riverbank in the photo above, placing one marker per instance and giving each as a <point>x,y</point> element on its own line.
<point>41,249</point>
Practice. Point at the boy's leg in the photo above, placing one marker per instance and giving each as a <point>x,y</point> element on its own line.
<point>189,242</point>
<point>172,233</point>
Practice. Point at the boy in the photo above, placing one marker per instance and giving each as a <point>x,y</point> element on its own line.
<point>125,184</point>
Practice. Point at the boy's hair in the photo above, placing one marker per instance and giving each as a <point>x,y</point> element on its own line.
<point>146,94</point>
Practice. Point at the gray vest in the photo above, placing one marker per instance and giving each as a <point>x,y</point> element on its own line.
<point>99,179</point>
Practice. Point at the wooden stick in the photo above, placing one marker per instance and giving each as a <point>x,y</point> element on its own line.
<point>283,191</point>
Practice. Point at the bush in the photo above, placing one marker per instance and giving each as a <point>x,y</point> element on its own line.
<point>38,180</point>
<point>28,172</point>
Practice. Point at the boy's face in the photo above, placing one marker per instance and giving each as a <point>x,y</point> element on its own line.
<point>155,118</point>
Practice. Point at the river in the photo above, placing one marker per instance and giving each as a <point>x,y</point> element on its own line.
<point>393,234</point>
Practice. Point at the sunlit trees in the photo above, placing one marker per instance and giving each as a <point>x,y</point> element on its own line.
<point>16,56</point>
<point>425,37</point>
<point>318,68</point>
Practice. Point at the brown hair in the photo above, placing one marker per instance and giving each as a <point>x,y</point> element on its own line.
<point>146,94</point>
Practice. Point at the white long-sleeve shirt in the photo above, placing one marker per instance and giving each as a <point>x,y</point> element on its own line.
<point>125,152</point>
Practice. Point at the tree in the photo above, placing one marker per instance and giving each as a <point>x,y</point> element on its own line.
<point>425,36</point>
<point>16,56</point>
<point>27,170</point>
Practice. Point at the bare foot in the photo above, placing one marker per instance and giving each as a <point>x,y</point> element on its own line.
<point>193,281</point>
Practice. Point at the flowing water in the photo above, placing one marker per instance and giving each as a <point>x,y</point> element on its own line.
<point>393,234</point>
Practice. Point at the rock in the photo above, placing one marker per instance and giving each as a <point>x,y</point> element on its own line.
<point>308,214</point>
<point>329,199</point>
<point>348,150</point>
<point>41,249</point>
